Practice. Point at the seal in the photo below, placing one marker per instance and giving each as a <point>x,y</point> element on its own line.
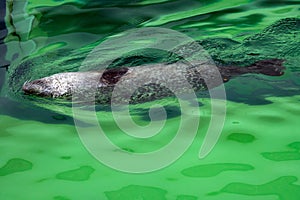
<point>148,80</point>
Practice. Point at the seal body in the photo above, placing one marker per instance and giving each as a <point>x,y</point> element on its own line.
<point>143,83</point>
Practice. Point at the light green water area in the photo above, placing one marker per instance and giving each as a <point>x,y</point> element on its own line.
<point>257,155</point>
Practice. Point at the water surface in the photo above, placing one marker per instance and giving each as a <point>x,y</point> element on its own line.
<point>257,155</point>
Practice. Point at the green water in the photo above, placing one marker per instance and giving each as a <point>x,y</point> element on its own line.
<point>257,155</point>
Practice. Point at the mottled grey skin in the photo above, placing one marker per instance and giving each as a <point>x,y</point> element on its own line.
<point>143,83</point>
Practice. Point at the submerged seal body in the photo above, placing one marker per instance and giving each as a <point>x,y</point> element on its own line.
<point>144,83</point>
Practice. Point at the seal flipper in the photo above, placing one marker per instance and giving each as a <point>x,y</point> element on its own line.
<point>112,76</point>
<point>271,67</point>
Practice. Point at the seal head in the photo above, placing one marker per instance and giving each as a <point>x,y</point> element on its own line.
<point>38,87</point>
<point>52,86</point>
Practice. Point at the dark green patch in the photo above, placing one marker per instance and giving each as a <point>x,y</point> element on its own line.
<point>282,187</point>
<point>241,137</point>
<point>66,157</point>
<point>60,198</point>
<point>172,179</point>
<point>295,145</point>
<point>137,192</point>
<point>271,119</point>
<point>59,117</point>
<point>284,155</point>
<point>81,174</point>
<point>186,197</point>
<point>42,180</point>
<point>128,149</point>
<point>210,170</point>
<point>15,165</point>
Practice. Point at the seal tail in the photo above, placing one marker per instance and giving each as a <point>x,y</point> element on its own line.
<point>270,67</point>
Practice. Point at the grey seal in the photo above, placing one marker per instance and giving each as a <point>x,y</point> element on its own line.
<point>200,76</point>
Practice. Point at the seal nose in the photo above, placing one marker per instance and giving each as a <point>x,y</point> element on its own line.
<point>32,87</point>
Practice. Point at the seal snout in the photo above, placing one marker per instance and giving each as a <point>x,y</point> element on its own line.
<point>35,87</point>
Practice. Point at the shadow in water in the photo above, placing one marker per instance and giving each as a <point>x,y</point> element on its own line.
<point>25,112</point>
<point>171,112</point>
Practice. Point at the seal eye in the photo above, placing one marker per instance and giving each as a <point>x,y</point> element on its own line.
<point>225,79</point>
